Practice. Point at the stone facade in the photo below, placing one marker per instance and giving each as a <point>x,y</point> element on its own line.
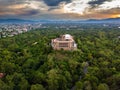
<point>65,42</point>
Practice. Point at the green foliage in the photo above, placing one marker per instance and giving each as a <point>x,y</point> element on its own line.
<point>29,62</point>
<point>37,87</point>
<point>103,87</point>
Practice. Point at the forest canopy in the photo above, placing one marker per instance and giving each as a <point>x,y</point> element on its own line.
<point>28,61</point>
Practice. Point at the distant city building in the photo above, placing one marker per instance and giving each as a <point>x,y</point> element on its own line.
<point>119,37</point>
<point>2,75</point>
<point>65,42</point>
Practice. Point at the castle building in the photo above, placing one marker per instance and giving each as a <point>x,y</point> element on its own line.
<point>65,42</point>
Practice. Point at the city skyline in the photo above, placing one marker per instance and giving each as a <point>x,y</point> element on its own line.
<point>59,9</point>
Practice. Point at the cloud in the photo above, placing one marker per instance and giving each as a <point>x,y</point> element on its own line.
<point>37,5</point>
<point>62,9</point>
<point>23,7</point>
<point>84,7</point>
<point>95,3</point>
<point>77,6</point>
<point>109,5</point>
<point>55,2</point>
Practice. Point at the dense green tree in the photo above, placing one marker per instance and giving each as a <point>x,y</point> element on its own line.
<point>4,86</point>
<point>103,86</point>
<point>53,78</point>
<point>37,87</point>
<point>79,86</point>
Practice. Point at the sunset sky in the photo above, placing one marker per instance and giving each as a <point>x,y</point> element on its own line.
<point>59,9</point>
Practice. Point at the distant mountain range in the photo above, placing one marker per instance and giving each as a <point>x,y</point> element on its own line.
<point>52,21</point>
<point>108,19</point>
<point>15,21</point>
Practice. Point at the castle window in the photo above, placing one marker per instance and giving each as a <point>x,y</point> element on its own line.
<point>63,44</point>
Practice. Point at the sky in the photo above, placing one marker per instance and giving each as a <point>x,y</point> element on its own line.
<point>59,9</point>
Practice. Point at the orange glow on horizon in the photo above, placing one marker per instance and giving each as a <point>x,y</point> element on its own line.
<point>115,16</point>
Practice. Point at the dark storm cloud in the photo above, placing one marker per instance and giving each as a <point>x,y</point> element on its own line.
<point>55,2</point>
<point>95,3</point>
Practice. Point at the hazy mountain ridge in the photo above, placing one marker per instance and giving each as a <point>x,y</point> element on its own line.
<point>14,20</point>
<point>107,19</point>
<point>32,21</point>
